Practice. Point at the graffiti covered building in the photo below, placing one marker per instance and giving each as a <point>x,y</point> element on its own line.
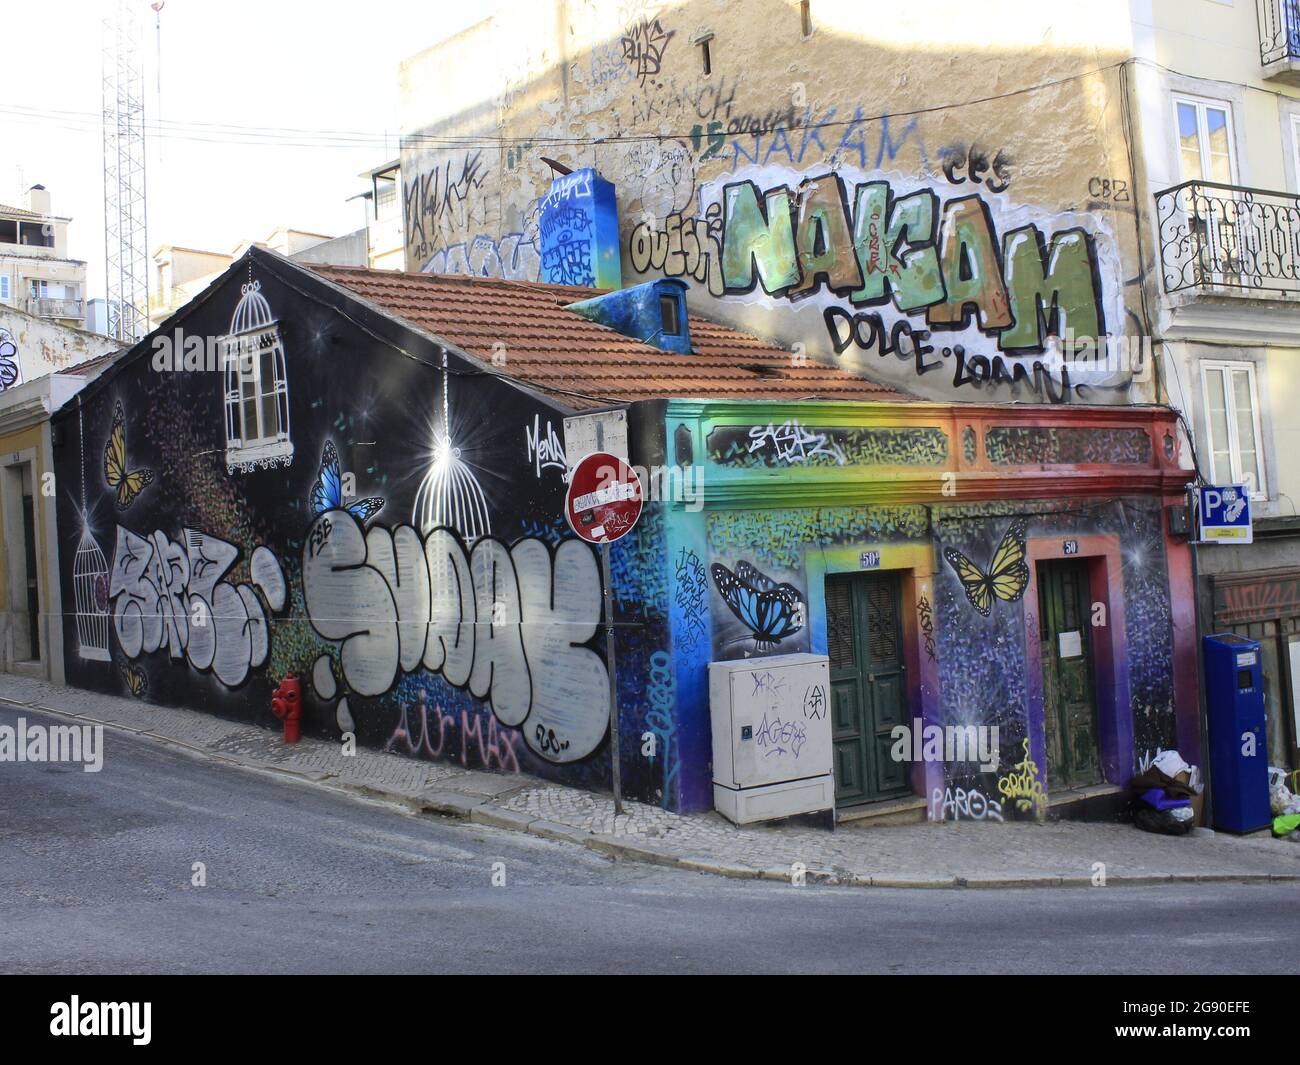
<point>834,179</point>
<point>357,477</point>
<point>282,480</point>
<point>964,567</point>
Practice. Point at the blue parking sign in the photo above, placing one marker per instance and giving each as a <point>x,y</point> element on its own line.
<point>1225,514</point>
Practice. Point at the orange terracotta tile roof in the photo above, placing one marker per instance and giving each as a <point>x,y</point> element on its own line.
<point>583,364</point>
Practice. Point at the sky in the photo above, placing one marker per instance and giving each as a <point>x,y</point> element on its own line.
<point>283,64</point>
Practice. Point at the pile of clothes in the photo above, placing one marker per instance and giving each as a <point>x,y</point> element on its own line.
<point>1284,804</point>
<point>1167,795</point>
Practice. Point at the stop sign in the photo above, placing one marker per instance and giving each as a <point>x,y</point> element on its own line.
<point>604,498</point>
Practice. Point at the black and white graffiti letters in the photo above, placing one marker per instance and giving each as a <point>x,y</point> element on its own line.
<point>166,593</point>
<point>544,447</point>
<point>792,443</point>
<point>509,623</point>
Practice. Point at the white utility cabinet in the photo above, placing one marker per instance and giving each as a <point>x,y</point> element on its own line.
<point>771,736</point>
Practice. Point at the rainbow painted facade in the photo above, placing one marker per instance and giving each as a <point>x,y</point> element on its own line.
<point>883,517</point>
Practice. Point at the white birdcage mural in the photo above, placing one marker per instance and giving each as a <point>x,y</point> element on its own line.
<point>89,578</point>
<point>450,494</point>
<point>90,590</point>
<point>256,386</point>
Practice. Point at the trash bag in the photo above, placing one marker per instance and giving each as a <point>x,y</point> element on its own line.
<point>1174,822</point>
<point>1282,802</point>
<point>1286,824</point>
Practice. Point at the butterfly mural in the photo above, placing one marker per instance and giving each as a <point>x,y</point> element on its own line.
<point>134,678</point>
<point>327,492</point>
<point>771,611</point>
<point>127,483</point>
<point>1007,576</point>
<point>10,371</point>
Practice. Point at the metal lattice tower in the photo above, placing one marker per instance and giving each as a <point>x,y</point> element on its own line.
<point>126,256</point>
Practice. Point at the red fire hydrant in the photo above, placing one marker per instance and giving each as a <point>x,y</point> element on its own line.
<point>286,704</point>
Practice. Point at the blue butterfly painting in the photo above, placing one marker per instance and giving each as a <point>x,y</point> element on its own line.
<point>327,492</point>
<point>769,610</point>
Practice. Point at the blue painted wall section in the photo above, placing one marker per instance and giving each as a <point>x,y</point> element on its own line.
<point>747,576</point>
<point>654,313</point>
<point>578,228</point>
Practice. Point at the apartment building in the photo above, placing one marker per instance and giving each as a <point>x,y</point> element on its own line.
<point>931,197</point>
<point>1215,96</point>
<point>181,273</point>
<point>385,247</point>
<point>36,273</point>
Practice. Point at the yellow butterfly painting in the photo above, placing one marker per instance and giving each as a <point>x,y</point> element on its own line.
<point>1007,577</point>
<point>128,484</point>
<point>135,681</point>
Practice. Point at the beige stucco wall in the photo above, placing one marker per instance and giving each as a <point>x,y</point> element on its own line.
<point>1283,404</point>
<point>45,347</point>
<point>476,126</point>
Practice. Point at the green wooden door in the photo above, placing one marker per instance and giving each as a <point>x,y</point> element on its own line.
<point>1069,701</point>
<point>868,685</point>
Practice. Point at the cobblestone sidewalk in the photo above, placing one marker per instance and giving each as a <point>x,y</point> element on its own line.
<point>921,855</point>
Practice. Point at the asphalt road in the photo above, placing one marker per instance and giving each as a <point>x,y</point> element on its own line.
<point>96,876</point>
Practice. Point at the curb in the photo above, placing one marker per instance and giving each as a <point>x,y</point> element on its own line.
<point>481,811</point>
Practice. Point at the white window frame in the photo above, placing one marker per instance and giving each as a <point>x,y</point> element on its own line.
<point>248,367</point>
<point>1236,475</point>
<point>1200,103</point>
<point>4,287</point>
<point>1295,147</point>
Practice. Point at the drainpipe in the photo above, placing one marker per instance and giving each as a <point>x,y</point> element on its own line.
<point>1202,708</point>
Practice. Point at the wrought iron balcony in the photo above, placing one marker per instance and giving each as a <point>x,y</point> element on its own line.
<point>1227,239</point>
<point>54,308</point>
<point>1279,31</point>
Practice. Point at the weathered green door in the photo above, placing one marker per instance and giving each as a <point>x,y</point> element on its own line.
<point>868,685</point>
<point>1069,702</point>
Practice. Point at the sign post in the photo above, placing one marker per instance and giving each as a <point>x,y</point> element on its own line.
<point>602,505</point>
<point>615,747</point>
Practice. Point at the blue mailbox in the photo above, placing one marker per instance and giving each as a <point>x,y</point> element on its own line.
<point>1234,694</point>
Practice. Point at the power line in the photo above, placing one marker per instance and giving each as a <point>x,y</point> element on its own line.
<point>288,136</point>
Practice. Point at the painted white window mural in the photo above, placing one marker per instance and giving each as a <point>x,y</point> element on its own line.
<point>256,388</point>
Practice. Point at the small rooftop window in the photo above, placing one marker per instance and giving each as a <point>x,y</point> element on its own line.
<point>670,315</point>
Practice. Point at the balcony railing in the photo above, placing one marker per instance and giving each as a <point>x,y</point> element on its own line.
<point>1279,30</point>
<point>52,308</point>
<point>1227,237</point>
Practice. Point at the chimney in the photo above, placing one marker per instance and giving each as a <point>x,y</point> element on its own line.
<point>38,199</point>
<point>578,225</point>
<point>653,313</point>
